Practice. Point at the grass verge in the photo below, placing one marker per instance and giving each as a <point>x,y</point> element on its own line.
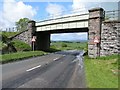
<point>102,72</point>
<point>19,55</point>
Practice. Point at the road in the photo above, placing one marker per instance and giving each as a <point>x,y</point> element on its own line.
<point>57,70</point>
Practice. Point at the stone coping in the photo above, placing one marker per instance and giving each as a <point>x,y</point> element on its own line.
<point>96,9</point>
<point>111,21</point>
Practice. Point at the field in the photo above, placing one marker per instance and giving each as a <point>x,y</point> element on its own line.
<point>69,45</point>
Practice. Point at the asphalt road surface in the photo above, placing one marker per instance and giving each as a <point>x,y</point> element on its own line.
<point>57,70</point>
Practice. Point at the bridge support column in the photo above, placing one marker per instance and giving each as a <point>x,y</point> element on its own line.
<point>96,16</point>
<point>43,41</point>
<point>31,29</point>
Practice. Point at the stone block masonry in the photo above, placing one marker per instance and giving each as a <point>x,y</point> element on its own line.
<point>107,32</point>
<point>26,36</point>
<point>95,22</point>
<point>110,38</point>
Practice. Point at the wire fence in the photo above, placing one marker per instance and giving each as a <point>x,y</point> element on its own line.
<point>112,15</point>
<point>71,11</point>
<point>65,13</point>
<point>9,29</point>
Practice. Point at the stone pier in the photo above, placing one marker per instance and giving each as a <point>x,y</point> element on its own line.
<point>96,16</point>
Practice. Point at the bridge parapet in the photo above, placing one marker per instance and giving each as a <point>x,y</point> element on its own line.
<point>63,19</point>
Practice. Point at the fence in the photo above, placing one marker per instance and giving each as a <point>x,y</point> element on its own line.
<point>112,15</point>
<point>65,13</point>
<point>10,29</point>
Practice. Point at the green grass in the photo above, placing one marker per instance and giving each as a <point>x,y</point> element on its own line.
<point>69,45</point>
<point>19,55</point>
<point>102,72</point>
<point>21,46</point>
<point>2,45</point>
<point>9,34</point>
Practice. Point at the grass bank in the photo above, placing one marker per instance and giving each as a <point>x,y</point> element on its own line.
<point>9,34</point>
<point>21,46</point>
<point>19,56</point>
<point>102,72</point>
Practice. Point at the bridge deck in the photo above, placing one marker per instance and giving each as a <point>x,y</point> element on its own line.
<point>69,22</point>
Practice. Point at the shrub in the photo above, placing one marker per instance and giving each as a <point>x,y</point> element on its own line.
<point>64,45</point>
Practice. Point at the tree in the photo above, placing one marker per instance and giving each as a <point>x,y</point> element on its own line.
<point>22,24</point>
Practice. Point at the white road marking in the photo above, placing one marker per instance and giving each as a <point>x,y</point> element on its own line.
<point>33,68</point>
<point>75,60</point>
<point>55,59</point>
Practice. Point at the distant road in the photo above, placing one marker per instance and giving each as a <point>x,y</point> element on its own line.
<point>56,70</point>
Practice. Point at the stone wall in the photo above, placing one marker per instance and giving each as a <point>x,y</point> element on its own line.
<point>108,33</point>
<point>24,36</point>
<point>110,38</point>
<point>95,22</point>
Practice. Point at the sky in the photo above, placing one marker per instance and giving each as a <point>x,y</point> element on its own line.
<point>38,10</point>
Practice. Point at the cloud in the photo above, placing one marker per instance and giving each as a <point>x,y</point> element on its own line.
<point>69,36</point>
<point>13,11</point>
<point>54,9</point>
<point>79,6</point>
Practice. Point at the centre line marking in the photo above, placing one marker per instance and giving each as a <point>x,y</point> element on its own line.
<point>55,59</point>
<point>33,68</point>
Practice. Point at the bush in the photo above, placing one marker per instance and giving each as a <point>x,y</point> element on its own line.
<point>64,45</point>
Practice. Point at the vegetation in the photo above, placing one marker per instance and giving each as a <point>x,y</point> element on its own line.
<point>21,46</point>
<point>9,34</point>
<point>22,24</point>
<point>102,72</point>
<point>20,56</point>
<point>69,45</point>
<point>2,45</point>
<point>8,46</point>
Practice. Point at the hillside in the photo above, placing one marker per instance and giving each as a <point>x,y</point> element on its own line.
<point>8,46</point>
